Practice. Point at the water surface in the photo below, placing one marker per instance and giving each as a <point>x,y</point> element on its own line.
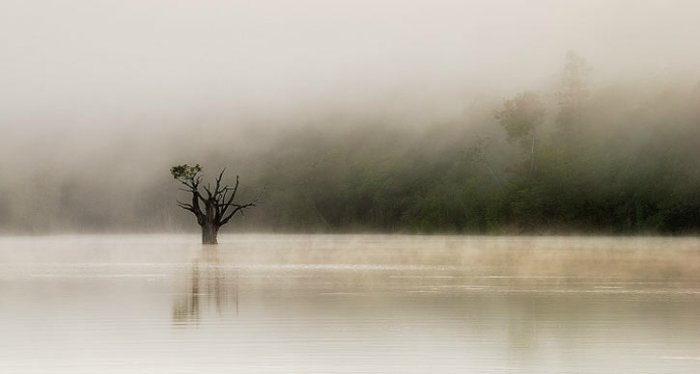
<point>349,304</point>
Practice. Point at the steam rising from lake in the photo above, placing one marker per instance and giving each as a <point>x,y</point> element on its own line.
<point>355,304</point>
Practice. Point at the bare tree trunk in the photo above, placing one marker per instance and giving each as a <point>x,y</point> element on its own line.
<point>532,153</point>
<point>209,232</point>
<point>219,207</point>
<point>493,174</point>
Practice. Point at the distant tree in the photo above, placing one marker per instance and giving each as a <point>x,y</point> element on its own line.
<point>572,91</point>
<point>520,117</point>
<point>218,204</point>
<point>477,154</point>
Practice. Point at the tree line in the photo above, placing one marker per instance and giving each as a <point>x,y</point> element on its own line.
<point>576,156</point>
<point>574,159</point>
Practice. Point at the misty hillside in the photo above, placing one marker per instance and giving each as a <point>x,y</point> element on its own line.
<point>615,158</point>
<point>421,116</point>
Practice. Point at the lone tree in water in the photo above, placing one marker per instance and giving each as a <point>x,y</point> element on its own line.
<point>214,208</point>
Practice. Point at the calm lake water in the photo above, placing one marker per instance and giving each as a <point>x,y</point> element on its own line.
<point>349,304</point>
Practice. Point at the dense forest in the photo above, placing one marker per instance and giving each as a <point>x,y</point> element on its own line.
<point>611,161</point>
<point>573,157</point>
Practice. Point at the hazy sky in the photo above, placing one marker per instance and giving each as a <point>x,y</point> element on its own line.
<point>91,64</point>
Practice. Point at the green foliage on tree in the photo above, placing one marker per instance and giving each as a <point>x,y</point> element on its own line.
<point>185,172</point>
<point>521,116</point>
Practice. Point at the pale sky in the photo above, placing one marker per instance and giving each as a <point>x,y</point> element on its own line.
<point>78,64</point>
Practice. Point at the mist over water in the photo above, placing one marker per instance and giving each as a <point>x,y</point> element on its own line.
<point>360,304</point>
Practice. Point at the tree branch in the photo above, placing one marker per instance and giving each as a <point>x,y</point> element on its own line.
<point>238,208</point>
<point>214,207</point>
<point>217,190</point>
<point>227,204</point>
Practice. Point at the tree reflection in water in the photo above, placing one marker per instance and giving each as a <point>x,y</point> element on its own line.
<point>209,289</point>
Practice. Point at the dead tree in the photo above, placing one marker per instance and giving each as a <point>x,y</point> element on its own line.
<point>213,208</point>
